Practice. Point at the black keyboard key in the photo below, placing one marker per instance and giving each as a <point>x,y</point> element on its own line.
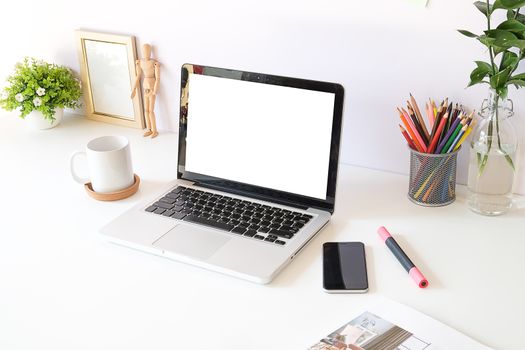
<point>234,222</point>
<point>173,195</point>
<point>168,200</point>
<point>177,208</point>
<point>163,205</point>
<point>168,212</point>
<point>206,216</point>
<point>281,233</point>
<point>208,222</point>
<point>298,224</point>
<point>239,230</point>
<point>264,229</point>
<point>159,210</point>
<point>179,215</point>
<point>278,241</point>
<point>277,220</point>
<point>178,189</point>
<point>269,239</point>
<point>250,233</point>
<point>254,227</point>
<point>274,225</point>
<point>151,208</point>
<point>243,224</point>
<point>289,229</point>
<point>258,237</point>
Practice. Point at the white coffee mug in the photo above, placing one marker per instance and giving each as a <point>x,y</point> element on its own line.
<point>109,163</point>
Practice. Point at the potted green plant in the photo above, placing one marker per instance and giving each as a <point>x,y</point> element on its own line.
<point>40,91</point>
<point>494,144</point>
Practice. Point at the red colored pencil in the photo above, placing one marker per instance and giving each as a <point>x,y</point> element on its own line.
<point>409,140</point>
<point>435,139</point>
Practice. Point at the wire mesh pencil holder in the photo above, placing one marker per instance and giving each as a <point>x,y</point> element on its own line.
<point>432,178</point>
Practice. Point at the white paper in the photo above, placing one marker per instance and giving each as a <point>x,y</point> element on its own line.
<point>414,331</point>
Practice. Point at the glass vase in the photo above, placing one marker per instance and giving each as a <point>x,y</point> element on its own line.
<point>493,155</point>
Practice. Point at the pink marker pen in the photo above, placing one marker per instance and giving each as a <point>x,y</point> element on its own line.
<point>403,259</point>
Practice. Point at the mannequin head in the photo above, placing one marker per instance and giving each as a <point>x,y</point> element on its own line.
<point>146,51</point>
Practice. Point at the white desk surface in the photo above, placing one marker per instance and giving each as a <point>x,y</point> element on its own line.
<point>63,287</point>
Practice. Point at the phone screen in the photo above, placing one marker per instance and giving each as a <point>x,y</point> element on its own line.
<point>344,267</point>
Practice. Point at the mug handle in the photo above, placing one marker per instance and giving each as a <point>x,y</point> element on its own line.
<point>81,180</point>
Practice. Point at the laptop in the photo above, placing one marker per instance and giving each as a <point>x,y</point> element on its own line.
<point>256,178</point>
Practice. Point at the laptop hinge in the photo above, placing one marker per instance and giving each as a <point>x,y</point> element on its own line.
<point>252,195</point>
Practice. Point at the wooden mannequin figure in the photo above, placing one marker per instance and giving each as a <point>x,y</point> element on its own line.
<point>150,68</point>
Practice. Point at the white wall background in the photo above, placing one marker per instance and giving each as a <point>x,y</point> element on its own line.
<point>379,50</point>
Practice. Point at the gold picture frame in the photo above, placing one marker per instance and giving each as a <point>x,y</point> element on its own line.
<point>107,70</point>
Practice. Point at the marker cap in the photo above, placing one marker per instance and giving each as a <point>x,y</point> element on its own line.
<point>383,233</point>
<point>418,277</point>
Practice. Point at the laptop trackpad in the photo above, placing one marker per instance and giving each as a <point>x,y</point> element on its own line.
<point>191,241</point>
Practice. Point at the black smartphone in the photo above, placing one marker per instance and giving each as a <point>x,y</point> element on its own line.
<point>344,267</point>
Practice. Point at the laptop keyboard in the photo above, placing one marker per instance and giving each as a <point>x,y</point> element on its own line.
<point>241,217</point>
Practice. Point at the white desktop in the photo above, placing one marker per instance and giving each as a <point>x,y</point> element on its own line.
<point>64,287</point>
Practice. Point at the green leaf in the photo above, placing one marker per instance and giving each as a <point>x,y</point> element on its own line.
<point>509,59</point>
<point>499,79</point>
<point>484,65</point>
<point>497,5</point>
<point>519,43</point>
<point>482,7</point>
<point>516,82</point>
<point>502,91</point>
<point>518,77</point>
<point>479,73</point>
<point>508,4</point>
<point>485,40</point>
<point>501,36</point>
<point>467,33</point>
<point>512,25</point>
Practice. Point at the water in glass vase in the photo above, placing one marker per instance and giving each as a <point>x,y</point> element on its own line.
<point>490,187</point>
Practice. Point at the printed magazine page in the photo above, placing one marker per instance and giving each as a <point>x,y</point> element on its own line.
<point>392,326</point>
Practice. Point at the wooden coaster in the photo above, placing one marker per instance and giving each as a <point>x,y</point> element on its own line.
<point>114,196</point>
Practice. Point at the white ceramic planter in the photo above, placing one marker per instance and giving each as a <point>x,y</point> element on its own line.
<point>37,121</point>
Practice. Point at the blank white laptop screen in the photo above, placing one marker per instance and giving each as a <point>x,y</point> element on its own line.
<point>259,134</point>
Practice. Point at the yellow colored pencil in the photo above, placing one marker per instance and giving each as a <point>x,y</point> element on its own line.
<point>465,135</point>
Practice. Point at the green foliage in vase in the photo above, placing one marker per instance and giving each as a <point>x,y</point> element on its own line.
<point>506,48</point>
<point>41,86</point>
<point>505,44</point>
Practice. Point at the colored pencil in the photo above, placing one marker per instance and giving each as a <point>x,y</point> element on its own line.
<point>419,116</point>
<point>409,140</point>
<point>465,135</point>
<point>451,138</point>
<point>416,135</point>
<point>434,142</point>
<point>418,125</point>
<point>430,115</point>
<point>437,120</point>
<point>456,140</point>
<point>445,138</point>
<point>410,130</point>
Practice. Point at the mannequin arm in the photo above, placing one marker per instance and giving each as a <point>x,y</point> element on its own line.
<point>157,78</point>
<point>137,79</point>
